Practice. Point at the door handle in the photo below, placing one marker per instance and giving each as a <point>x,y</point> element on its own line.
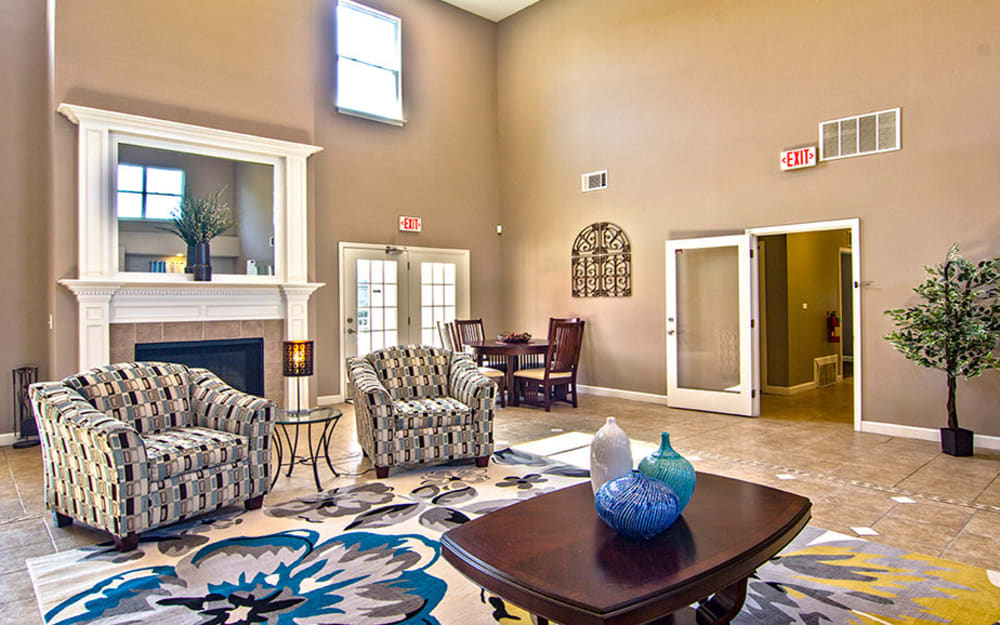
<point>671,332</point>
<point>351,331</point>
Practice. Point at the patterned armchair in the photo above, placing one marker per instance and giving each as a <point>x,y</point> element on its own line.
<point>416,404</point>
<point>134,446</point>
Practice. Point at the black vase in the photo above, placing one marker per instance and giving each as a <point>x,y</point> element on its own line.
<point>202,262</point>
<point>956,442</point>
<point>189,266</point>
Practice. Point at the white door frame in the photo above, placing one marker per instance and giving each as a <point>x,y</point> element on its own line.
<point>854,225</point>
<point>343,246</point>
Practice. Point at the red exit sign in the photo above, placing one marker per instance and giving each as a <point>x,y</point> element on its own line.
<point>798,158</point>
<point>410,224</point>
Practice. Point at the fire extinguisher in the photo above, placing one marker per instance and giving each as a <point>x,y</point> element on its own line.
<point>832,327</point>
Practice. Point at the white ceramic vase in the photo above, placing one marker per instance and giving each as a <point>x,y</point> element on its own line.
<point>610,454</point>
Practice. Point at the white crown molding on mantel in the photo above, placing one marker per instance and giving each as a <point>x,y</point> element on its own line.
<point>103,302</point>
<point>105,296</point>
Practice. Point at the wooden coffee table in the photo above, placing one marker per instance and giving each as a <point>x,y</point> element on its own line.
<point>554,557</point>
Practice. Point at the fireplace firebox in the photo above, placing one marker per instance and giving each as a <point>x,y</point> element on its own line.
<point>239,362</point>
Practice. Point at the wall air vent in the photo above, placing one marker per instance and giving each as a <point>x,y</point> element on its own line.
<point>859,135</point>
<point>594,181</point>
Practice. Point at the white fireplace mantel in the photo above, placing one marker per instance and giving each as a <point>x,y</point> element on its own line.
<point>106,295</point>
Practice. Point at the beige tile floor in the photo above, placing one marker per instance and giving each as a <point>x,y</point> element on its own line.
<point>850,477</point>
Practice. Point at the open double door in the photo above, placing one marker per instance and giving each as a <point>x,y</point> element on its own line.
<point>712,325</point>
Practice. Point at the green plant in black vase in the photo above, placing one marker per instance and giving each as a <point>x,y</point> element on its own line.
<point>956,328</point>
<point>199,220</point>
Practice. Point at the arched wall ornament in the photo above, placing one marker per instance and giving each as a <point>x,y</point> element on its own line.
<point>602,262</point>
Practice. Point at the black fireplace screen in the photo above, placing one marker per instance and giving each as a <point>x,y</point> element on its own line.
<point>239,362</point>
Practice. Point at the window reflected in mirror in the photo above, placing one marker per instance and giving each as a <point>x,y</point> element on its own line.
<point>150,184</point>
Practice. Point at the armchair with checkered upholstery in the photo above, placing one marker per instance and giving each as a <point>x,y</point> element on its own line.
<point>133,446</point>
<point>417,404</point>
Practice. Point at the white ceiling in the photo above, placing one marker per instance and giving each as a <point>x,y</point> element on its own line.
<point>494,10</point>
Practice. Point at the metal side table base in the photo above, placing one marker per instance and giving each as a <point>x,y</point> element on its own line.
<point>289,419</point>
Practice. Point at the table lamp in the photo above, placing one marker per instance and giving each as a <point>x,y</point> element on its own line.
<point>298,363</point>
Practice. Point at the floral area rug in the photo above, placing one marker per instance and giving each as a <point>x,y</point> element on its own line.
<point>366,552</point>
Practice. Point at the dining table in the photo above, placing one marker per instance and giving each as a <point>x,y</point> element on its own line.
<point>512,352</point>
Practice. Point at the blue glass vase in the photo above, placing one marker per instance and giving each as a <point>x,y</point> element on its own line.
<point>667,466</point>
<point>636,506</point>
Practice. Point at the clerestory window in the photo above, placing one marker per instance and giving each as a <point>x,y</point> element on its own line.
<point>369,63</point>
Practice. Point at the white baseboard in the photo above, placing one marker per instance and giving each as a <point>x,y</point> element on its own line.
<point>327,400</point>
<point>981,441</point>
<point>602,391</point>
<point>6,440</point>
<point>790,390</point>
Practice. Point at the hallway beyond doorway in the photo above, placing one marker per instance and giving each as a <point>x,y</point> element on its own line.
<point>827,404</point>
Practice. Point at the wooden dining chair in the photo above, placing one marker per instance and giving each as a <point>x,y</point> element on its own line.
<point>562,359</point>
<point>536,360</point>
<point>446,332</point>
<point>452,340</point>
<point>471,331</point>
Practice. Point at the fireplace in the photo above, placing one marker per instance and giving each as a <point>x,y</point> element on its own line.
<point>239,362</point>
<point>129,339</point>
<point>117,309</point>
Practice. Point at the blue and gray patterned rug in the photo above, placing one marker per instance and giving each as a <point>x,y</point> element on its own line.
<point>366,552</point>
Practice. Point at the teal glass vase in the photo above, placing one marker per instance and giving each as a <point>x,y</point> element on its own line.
<point>667,466</point>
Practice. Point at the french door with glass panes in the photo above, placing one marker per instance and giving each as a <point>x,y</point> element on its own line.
<point>397,296</point>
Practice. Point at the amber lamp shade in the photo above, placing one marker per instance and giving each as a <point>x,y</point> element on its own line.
<point>298,358</point>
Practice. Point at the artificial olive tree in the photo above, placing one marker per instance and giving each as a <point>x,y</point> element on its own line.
<point>957,326</point>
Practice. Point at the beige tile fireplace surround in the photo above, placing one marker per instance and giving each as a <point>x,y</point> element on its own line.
<point>125,336</point>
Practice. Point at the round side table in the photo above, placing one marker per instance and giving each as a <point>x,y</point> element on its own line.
<point>289,419</point>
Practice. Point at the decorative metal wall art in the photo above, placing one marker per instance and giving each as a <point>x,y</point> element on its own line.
<point>602,262</point>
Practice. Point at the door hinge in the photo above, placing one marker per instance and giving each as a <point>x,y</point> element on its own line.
<point>753,323</point>
<point>753,393</point>
<point>751,252</point>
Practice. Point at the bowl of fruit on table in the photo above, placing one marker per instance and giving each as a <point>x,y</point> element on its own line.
<point>514,337</point>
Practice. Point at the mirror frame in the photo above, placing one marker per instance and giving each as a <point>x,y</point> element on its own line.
<point>100,134</point>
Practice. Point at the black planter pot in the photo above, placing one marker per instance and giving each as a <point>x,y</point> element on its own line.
<point>202,262</point>
<point>189,266</point>
<point>956,442</point>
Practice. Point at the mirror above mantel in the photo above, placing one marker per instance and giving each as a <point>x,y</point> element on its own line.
<point>265,181</point>
<point>149,186</point>
<point>131,171</point>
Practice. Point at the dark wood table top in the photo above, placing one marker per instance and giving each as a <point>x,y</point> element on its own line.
<point>498,347</point>
<point>552,555</point>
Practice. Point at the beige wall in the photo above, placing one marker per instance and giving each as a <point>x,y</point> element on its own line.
<point>254,189</point>
<point>801,273</point>
<point>265,69</point>
<point>813,273</point>
<point>23,192</point>
<point>441,166</point>
<point>246,69</point>
<point>688,104</point>
<point>774,309</point>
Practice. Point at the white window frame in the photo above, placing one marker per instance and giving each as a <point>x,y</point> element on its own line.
<point>145,193</point>
<point>395,121</point>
